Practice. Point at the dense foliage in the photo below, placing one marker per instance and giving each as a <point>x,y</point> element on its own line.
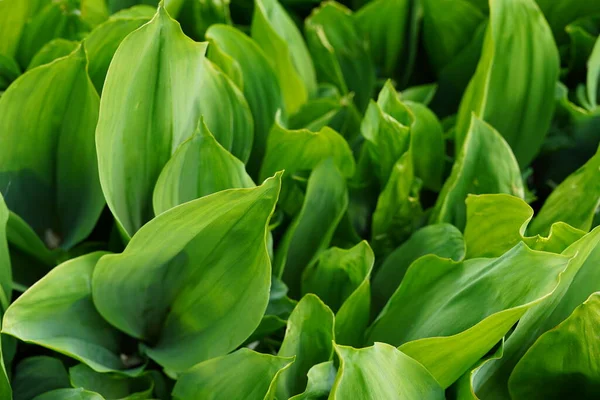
<point>288,199</point>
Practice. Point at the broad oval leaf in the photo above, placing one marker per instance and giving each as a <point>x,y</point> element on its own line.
<point>382,372</point>
<point>44,315</point>
<point>485,164</point>
<point>192,172</point>
<point>244,374</point>
<point>513,87</point>
<point>309,337</point>
<point>164,288</point>
<point>157,87</point>
<point>36,157</point>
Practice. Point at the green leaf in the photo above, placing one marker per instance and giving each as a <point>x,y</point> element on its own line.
<point>190,173</point>
<point>282,42</point>
<point>5,264</point>
<point>593,74</point>
<point>341,278</point>
<point>198,16</point>
<point>244,374</point>
<point>577,282</point>
<point>485,164</point>
<point>44,315</point>
<point>560,13</point>
<point>563,360</point>
<point>382,372</point>
<point>311,231</point>
<point>463,308</point>
<point>36,155</point>
<point>443,240</point>
<point>37,375</point>
<point>309,337</point>
<point>384,23</point>
<point>103,41</point>
<point>338,48</point>
<point>497,222</point>
<point>13,17</point>
<point>9,71</point>
<point>574,201</point>
<point>278,310</point>
<point>205,252</point>
<point>56,48</point>
<point>420,94</point>
<point>111,386</point>
<point>260,83</point>
<point>320,382</point>
<point>513,87</point>
<point>69,394</point>
<point>155,67</point>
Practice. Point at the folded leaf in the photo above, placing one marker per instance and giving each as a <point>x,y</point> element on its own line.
<point>513,86</point>
<point>44,315</point>
<point>335,42</point>
<point>311,231</point>
<point>309,337</point>
<point>497,222</point>
<point>164,287</point>
<point>341,278</point>
<point>443,240</point>
<point>563,360</point>
<point>485,164</point>
<point>191,173</point>
<point>111,386</point>
<point>36,159</point>
<point>574,201</point>
<point>261,86</point>
<point>244,374</point>
<point>282,42</point>
<point>37,375</point>
<point>320,382</point>
<point>382,372</point>
<point>155,68</point>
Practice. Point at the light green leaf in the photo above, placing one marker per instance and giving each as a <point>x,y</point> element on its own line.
<point>443,240</point>
<point>37,375</point>
<point>420,94</point>
<point>593,74</point>
<point>260,83</point>
<point>382,372</point>
<point>69,394</point>
<point>320,382</point>
<point>497,222</point>
<point>111,386</point>
<point>52,50</point>
<point>192,172</point>
<point>485,164</point>
<point>341,278</point>
<point>44,315</point>
<point>282,42</point>
<point>5,264</point>
<point>578,281</point>
<point>103,41</point>
<point>154,68</point>
<point>513,87</point>
<point>311,231</point>
<point>437,296</point>
<point>36,157</point>
<point>164,287</point>
<point>574,201</point>
<point>336,44</point>
<point>563,361</point>
<point>309,337</point>
<point>384,23</point>
<point>244,374</point>
<point>13,17</point>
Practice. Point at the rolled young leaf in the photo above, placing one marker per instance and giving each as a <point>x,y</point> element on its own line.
<point>320,382</point>
<point>243,374</point>
<point>382,372</point>
<point>36,157</point>
<point>563,360</point>
<point>191,172</point>
<point>309,337</point>
<point>157,87</point>
<point>513,86</point>
<point>43,315</point>
<point>484,165</point>
<point>593,75</point>
<point>205,252</point>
